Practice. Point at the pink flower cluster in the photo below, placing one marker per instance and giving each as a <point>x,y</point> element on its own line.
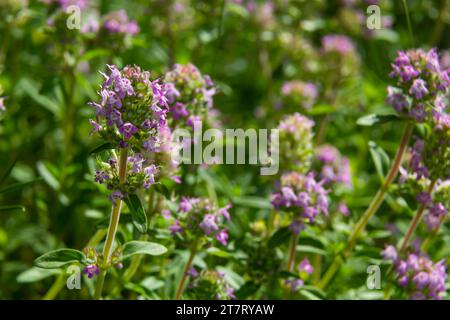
<point>303,196</point>
<point>200,218</point>
<point>422,278</point>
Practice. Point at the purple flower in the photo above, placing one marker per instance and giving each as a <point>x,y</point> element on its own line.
<point>397,100</point>
<point>294,284</point>
<point>418,89</point>
<point>2,105</point>
<point>175,227</point>
<point>343,209</point>
<point>222,237</point>
<point>192,272</point>
<point>337,43</point>
<point>128,129</point>
<point>185,205</point>
<point>224,212</point>
<point>418,112</point>
<point>118,22</point>
<point>95,126</point>
<point>424,198</point>
<point>91,270</point>
<point>296,226</point>
<point>327,154</point>
<point>421,280</point>
<point>116,195</point>
<point>389,253</point>
<point>209,224</point>
<point>305,266</point>
<point>179,111</point>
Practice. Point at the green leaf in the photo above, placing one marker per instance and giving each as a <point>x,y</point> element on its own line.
<point>253,202</point>
<point>311,249</point>
<point>19,185</point>
<point>102,147</point>
<point>48,176</point>
<point>371,119</point>
<point>59,258</point>
<point>138,216</point>
<point>152,283</point>
<point>142,247</point>
<point>35,274</point>
<point>248,289</point>
<point>309,295</point>
<point>7,172</point>
<point>321,109</point>
<point>162,189</point>
<point>218,253</point>
<point>30,88</point>
<point>279,237</point>
<point>380,158</point>
<point>12,208</point>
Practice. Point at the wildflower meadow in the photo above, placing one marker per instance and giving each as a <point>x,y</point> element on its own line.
<point>224,149</point>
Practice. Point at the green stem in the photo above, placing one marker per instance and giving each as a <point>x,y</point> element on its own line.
<point>408,20</point>
<point>99,285</point>
<point>55,288</point>
<point>371,210</point>
<point>185,272</point>
<point>113,225</point>
<point>292,252</point>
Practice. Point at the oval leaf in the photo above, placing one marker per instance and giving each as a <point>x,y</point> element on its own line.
<point>280,236</point>
<point>142,247</point>
<point>372,119</point>
<point>59,258</point>
<point>138,216</point>
<point>36,274</point>
<point>102,147</point>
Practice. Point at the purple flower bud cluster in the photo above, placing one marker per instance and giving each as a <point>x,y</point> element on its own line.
<point>132,109</point>
<point>296,147</point>
<point>303,196</point>
<point>305,269</point>
<point>422,278</point>
<point>91,270</point>
<point>340,44</point>
<point>439,206</point>
<point>168,166</point>
<point>190,94</point>
<point>429,157</point>
<point>422,84</point>
<point>333,167</point>
<point>210,284</point>
<point>299,93</point>
<point>141,173</point>
<point>92,258</point>
<point>64,4</point>
<point>199,217</point>
<point>118,22</point>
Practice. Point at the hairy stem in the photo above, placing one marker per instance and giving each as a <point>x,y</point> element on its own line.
<point>371,210</point>
<point>113,225</point>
